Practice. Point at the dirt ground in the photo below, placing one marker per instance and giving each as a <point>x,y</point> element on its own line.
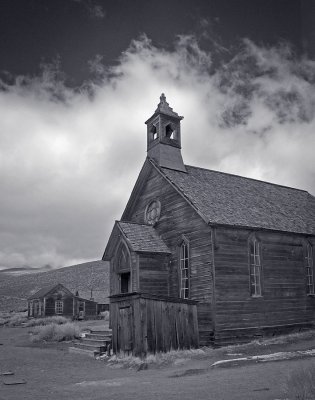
<point>52,372</point>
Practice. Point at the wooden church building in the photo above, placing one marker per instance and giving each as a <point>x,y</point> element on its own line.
<point>201,256</point>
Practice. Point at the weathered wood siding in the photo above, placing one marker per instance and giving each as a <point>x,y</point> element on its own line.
<point>147,324</point>
<point>50,306</point>
<point>67,305</point>
<point>179,218</point>
<point>284,301</point>
<point>153,274</point>
<point>90,308</point>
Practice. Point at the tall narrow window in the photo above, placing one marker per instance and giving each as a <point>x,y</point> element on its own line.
<point>309,269</point>
<point>184,270</point>
<point>125,282</point>
<point>255,267</point>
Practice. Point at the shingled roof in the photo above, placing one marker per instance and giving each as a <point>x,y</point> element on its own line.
<point>45,290</point>
<point>222,198</point>
<point>143,238</point>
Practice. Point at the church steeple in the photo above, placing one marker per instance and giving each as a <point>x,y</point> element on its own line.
<point>163,137</point>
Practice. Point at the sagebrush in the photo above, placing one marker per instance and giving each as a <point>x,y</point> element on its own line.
<point>15,319</point>
<point>55,333</point>
<point>58,319</point>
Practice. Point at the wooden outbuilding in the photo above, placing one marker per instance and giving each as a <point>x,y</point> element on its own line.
<point>200,256</point>
<point>58,300</point>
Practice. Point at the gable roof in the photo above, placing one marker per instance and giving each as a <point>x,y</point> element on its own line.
<point>142,238</point>
<point>227,199</point>
<point>44,291</point>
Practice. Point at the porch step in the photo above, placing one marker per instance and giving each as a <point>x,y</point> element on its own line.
<point>96,342</point>
<point>98,336</point>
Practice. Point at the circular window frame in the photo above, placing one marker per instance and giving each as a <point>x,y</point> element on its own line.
<point>147,218</point>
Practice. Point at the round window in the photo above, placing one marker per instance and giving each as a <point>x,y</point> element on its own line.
<point>152,212</point>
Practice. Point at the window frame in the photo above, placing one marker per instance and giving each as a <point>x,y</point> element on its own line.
<point>184,260</point>
<point>255,267</point>
<point>123,268</point>
<point>152,212</point>
<point>57,308</point>
<point>309,269</point>
<point>127,282</point>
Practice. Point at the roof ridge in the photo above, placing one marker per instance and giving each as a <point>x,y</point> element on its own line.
<point>245,177</point>
<point>134,223</point>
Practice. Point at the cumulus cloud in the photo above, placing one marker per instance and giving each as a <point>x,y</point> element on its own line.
<point>70,157</point>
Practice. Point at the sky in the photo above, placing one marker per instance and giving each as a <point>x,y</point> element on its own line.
<point>79,78</point>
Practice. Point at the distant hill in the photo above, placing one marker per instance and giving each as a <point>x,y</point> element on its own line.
<point>88,278</point>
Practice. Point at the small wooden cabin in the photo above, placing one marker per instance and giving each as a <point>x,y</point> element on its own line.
<point>203,257</point>
<point>58,300</point>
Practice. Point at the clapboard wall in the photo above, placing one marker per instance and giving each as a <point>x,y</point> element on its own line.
<point>284,303</point>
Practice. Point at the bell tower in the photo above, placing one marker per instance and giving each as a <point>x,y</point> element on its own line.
<point>163,137</point>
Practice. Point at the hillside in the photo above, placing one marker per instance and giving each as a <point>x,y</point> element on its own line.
<point>15,289</point>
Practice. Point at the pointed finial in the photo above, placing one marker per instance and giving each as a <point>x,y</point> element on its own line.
<point>162,98</point>
<point>164,108</point>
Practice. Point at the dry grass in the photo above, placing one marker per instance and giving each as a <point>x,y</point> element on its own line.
<point>58,319</point>
<point>15,319</point>
<point>300,384</point>
<point>55,333</point>
<point>276,340</point>
<point>157,360</point>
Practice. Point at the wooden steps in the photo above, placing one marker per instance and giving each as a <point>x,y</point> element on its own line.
<point>94,342</point>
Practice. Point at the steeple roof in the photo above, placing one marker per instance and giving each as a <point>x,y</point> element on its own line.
<point>164,108</point>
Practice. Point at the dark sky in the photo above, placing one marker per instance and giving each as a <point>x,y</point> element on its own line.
<point>71,149</point>
<point>35,31</point>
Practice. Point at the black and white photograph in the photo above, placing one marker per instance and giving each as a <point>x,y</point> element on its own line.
<point>157,199</point>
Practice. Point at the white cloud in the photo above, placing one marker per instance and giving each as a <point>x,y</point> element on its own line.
<point>69,158</point>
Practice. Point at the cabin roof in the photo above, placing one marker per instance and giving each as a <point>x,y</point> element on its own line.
<point>99,296</point>
<point>143,238</point>
<point>47,289</point>
<point>222,198</point>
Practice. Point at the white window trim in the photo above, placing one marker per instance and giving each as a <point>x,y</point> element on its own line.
<point>255,268</point>
<point>59,307</point>
<point>184,270</point>
<point>309,266</point>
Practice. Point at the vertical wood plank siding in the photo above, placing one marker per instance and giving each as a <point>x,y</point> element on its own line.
<point>178,218</point>
<point>142,324</point>
<point>284,302</point>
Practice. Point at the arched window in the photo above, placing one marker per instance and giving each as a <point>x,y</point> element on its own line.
<point>309,269</point>
<point>255,270</point>
<point>184,269</point>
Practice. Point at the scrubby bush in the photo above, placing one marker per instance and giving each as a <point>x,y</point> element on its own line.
<point>16,320</point>
<point>300,384</point>
<point>58,320</point>
<point>104,315</point>
<point>13,319</point>
<point>55,333</point>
